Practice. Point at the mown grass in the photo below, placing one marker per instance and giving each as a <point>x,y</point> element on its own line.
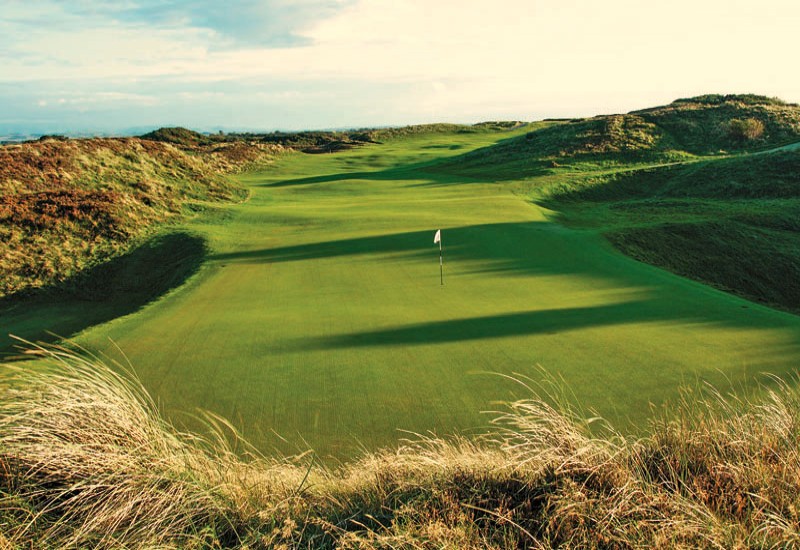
<point>87,461</point>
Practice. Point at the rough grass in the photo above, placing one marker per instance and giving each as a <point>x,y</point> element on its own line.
<point>66,205</point>
<point>86,461</point>
<point>702,125</point>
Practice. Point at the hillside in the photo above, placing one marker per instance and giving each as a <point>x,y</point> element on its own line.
<point>706,187</point>
<point>675,132</point>
<point>713,123</point>
<point>729,222</point>
<point>66,205</point>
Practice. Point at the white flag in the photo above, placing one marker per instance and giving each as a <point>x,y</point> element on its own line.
<point>438,237</point>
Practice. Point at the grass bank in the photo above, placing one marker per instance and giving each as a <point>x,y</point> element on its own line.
<point>86,461</point>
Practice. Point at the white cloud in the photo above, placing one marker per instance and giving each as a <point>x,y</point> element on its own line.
<point>450,58</point>
<point>86,100</point>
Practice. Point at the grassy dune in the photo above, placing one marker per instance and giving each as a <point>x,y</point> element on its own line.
<point>68,205</point>
<point>86,461</point>
<point>731,222</point>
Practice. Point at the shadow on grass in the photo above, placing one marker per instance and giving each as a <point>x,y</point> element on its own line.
<point>524,249</point>
<point>653,309</point>
<point>327,178</point>
<point>107,291</point>
<point>512,248</point>
<point>546,321</point>
<point>503,243</point>
<point>437,171</point>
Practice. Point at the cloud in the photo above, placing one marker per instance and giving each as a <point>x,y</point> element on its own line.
<point>357,62</point>
<point>234,23</point>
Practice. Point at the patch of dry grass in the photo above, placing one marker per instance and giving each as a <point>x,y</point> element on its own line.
<point>86,461</point>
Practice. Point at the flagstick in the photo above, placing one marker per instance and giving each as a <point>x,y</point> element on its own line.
<point>441,266</point>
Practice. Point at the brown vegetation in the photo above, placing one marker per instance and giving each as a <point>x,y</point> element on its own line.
<point>69,204</point>
<point>86,461</point>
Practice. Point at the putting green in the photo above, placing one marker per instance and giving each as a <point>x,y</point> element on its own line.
<point>318,313</point>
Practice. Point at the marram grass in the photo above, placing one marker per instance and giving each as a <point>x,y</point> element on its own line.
<point>86,461</point>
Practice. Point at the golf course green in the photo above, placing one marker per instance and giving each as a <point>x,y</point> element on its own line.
<point>317,319</point>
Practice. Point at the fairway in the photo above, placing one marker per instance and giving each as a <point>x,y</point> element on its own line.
<point>317,318</point>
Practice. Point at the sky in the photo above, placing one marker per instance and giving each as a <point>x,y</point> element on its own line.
<point>123,65</point>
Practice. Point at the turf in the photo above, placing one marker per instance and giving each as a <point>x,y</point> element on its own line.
<point>317,313</point>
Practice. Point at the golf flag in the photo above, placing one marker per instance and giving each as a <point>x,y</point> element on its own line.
<point>438,237</point>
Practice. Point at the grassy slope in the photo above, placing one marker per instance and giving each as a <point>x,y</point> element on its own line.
<point>731,222</point>
<point>676,132</point>
<point>319,314</point>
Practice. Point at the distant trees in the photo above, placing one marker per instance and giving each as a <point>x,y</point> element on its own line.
<point>745,129</point>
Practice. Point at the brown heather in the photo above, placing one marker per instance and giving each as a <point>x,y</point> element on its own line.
<point>66,205</point>
<point>87,462</point>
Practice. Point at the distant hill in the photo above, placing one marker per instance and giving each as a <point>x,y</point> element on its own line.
<point>178,136</point>
<point>710,124</point>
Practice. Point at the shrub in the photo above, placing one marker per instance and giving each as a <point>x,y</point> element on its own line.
<point>745,129</point>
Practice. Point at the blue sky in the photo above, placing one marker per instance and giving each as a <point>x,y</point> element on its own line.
<point>281,64</point>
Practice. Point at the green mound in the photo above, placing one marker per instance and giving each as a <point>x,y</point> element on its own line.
<point>708,124</point>
<point>745,99</point>
<point>675,132</point>
<point>766,176</point>
<point>756,262</point>
<point>178,136</point>
<point>103,292</point>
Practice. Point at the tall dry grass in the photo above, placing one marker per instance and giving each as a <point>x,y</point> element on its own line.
<point>87,462</point>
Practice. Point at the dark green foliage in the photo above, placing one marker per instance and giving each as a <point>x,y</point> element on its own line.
<point>179,136</point>
<point>313,142</point>
<point>747,99</point>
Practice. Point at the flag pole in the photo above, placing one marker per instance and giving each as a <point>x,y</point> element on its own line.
<point>441,264</point>
<point>437,238</point>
